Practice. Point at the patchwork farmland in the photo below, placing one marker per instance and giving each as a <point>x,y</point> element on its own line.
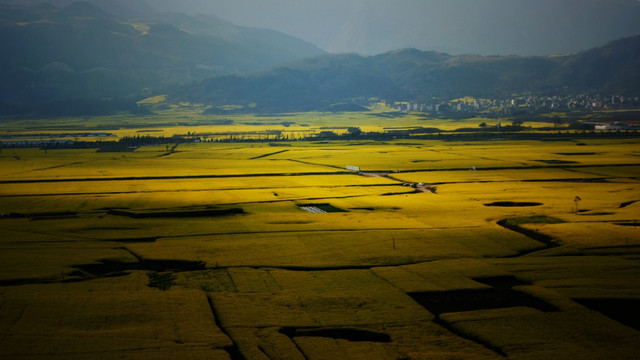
<point>521,250</point>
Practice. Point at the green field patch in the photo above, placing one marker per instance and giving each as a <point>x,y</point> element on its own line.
<point>390,115</point>
<point>280,144</point>
<point>408,144</point>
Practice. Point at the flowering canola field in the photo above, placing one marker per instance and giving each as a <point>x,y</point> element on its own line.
<point>482,250</point>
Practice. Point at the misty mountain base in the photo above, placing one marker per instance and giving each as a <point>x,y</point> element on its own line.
<point>82,60</point>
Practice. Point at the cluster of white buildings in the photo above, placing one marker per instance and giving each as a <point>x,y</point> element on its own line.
<point>525,104</point>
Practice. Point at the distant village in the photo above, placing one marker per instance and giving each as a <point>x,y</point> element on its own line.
<point>525,104</point>
<point>625,123</point>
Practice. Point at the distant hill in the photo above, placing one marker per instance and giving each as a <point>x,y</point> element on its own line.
<point>269,46</point>
<point>82,51</point>
<point>126,9</point>
<point>414,75</point>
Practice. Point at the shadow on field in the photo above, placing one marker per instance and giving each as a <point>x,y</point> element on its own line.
<point>513,204</point>
<point>477,299</point>
<point>624,311</point>
<point>106,268</point>
<point>349,334</point>
<point>161,277</point>
<point>499,295</point>
<point>40,216</point>
<point>513,224</point>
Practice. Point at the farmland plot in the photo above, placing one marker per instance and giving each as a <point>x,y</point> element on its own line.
<point>512,250</point>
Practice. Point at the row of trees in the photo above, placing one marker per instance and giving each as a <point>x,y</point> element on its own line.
<point>515,131</point>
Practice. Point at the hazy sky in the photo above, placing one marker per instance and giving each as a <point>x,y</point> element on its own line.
<point>486,27</point>
<point>306,19</point>
<point>522,27</point>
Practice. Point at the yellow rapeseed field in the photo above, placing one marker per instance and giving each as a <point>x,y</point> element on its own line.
<point>275,250</point>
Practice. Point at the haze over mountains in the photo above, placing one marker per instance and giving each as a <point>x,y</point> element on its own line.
<point>81,51</point>
<point>371,27</point>
<point>486,27</point>
<point>327,81</point>
<point>75,57</point>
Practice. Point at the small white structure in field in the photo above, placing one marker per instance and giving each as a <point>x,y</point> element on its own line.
<point>313,209</point>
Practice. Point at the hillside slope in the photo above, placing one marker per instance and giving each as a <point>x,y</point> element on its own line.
<point>416,75</point>
<point>80,51</point>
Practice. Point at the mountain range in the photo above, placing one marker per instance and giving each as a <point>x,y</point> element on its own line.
<point>326,81</point>
<point>81,51</point>
<point>104,55</point>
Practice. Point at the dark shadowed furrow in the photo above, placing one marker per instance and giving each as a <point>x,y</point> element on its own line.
<point>349,334</point>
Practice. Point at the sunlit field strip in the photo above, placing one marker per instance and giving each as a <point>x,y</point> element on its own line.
<point>110,166</point>
<point>325,249</point>
<point>472,176</point>
<point>197,184</point>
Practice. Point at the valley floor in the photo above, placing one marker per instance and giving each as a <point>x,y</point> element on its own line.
<point>517,250</point>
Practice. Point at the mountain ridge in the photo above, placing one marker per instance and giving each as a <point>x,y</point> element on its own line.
<point>55,54</point>
<point>414,75</point>
<point>82,52</point>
